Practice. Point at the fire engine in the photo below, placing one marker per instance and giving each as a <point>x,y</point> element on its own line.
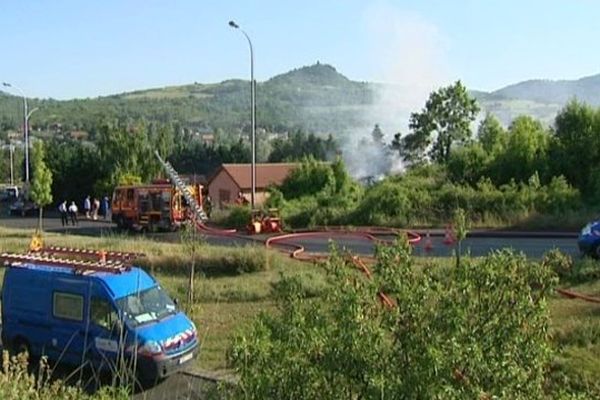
<point>157,206</point>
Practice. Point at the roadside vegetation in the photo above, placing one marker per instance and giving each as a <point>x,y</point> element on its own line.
<point>546,342</point>
<point>526,176</point>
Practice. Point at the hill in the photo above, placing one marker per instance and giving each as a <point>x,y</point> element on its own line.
<point>315,98</point>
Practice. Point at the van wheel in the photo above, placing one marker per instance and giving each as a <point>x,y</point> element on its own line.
<point>596,252</point>
<point>21,345</point>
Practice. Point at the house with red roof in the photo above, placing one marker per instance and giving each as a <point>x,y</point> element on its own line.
<point>231,179</point>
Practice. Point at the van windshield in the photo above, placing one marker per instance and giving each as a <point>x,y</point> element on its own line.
<point>146,306</point>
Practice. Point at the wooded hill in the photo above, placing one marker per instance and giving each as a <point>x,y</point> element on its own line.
<point>315,98</point>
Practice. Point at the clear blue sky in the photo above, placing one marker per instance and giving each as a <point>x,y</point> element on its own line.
<point>67,48</point>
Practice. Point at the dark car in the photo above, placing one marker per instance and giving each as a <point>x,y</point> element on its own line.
<point>23,207</point>
<point>589,239</point>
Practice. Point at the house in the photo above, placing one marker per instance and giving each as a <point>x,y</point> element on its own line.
<point>231,179</point>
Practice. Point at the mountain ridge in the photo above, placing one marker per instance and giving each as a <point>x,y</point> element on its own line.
<point>316,97</point>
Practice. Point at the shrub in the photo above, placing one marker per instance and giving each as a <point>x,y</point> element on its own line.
<point>439,340</point>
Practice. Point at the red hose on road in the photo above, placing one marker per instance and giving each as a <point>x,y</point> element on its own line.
<point>575,295</point>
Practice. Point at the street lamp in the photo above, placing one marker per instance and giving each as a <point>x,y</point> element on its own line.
<point>253,111</point>
<point>26,115</point>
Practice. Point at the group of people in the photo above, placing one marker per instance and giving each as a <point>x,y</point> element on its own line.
<point>91,209</point>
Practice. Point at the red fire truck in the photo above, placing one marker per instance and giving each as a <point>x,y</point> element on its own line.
<point>153,207</point>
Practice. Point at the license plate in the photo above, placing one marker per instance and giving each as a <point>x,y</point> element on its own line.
<point>186,358</point>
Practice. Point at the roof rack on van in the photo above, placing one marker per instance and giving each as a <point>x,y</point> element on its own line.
<point>100,255</point>
<point>79,266</point>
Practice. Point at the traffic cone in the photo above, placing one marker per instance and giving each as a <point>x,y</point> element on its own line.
<point>428,244</point>
<point>449,235</point>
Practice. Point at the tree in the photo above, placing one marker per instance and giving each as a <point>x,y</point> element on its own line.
<point>443,122</point>
<point>41,186</point>
<point>377,135</point>
<point>524,154</point>
<point>491,134</point>
<point>577,143</point>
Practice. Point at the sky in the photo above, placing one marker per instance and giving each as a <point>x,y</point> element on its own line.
<point>76,49</point>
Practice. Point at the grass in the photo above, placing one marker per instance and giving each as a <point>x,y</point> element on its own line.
<point>227,300</point>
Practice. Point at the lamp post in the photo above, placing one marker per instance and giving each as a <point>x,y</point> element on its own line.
<point>26,115</point>
<point>253,112</point>
<point>11,151</point>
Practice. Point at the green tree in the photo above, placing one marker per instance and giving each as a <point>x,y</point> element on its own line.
<point>41,186</point>
<point>525,152</point>
<point>444,121</point>
<point>491,134</point>
<point>577,143</point>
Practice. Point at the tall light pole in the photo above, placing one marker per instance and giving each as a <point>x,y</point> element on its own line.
<point>26,115</point>
<point>11,150</point>
<point>253,111</point>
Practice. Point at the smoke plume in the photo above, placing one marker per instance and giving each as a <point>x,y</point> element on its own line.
<point>407,54</point>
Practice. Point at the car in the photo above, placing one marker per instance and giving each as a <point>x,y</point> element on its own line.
<point>23,207</point>
<point>9,193</point>
<point>589,239</point>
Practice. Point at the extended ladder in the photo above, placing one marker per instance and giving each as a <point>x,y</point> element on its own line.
<point>174,176</point>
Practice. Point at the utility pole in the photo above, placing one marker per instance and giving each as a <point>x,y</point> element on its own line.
<point>252,111</point>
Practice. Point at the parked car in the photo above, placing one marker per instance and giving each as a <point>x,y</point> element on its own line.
<point>589,240</point>
<point>98,311</point>
<point>9,193</point>
<point>23,207</point>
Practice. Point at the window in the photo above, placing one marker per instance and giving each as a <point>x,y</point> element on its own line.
<point>224,196</point>
<point>68,306</point>
<point>102,313</point>
<point>146,306</point>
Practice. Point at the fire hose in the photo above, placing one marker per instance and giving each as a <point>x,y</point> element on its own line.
<point>298,251</point>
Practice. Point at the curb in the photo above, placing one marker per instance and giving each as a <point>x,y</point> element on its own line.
<point>211,377</point>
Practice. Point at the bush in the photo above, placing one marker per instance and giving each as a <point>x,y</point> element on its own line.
<point>238,216</point>
<point>560,263</point>
<point>439,340</point>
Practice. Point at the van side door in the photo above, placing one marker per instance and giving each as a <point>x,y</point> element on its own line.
<point>68,333</point>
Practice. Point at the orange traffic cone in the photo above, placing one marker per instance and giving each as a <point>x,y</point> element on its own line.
<point>428,245</point>
<point>449,235</point>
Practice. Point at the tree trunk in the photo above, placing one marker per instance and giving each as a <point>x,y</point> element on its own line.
<point>40,228</point>
<point>191,281</point>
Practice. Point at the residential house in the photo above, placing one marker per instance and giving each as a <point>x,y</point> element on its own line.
<point>231,179</point>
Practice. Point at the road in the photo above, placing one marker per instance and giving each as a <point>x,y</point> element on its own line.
<point>479,244</point>
<point>183,386</point>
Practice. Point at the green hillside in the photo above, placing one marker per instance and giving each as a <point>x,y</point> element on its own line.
<point>315,98</point>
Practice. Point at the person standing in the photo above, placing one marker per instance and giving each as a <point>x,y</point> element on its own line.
<point>95,208</point>
<point>73,213</point>
<point>105,206</point>
<point>62,209</point>
<point>87,206</point>
<point>208,205</point>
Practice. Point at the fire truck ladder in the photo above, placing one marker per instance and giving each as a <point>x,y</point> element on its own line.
<point>174,176</point>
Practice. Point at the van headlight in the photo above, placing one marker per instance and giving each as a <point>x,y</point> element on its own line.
<point>587,230</point>
<point>150,348</point>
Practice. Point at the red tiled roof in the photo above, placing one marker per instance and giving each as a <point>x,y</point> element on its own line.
<point>266,174</point>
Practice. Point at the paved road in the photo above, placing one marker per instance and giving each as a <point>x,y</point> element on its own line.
<point>477,246</point>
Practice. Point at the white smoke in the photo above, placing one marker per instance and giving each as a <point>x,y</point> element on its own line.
<point>407,54</point>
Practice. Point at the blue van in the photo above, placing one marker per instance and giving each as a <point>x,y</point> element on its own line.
<point>101,313</point>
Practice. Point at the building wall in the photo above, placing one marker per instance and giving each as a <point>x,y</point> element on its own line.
<point>221,185</point>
